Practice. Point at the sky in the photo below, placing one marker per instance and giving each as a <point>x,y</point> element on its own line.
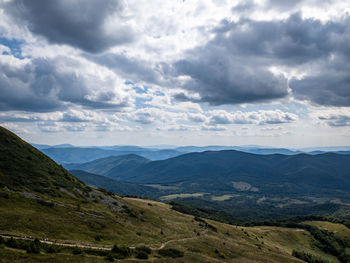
<point>179,72</point>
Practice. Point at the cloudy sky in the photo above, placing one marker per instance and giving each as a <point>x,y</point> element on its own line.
<point>182,72</point>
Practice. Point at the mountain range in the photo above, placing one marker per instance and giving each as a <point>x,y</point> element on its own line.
<point>67,153</point>
<point>234,181</point>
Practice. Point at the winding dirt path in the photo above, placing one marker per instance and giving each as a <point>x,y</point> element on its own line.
<point>52,242</point>
<point>182,239</point>
<point>89,246</point>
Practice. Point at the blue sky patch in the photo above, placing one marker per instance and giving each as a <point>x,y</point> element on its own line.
<point>14,45</point>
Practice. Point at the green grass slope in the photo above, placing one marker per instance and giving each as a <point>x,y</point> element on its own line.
<point>24,168</point>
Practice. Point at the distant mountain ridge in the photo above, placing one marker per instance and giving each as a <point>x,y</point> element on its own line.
<point>81,155</point>
<point>67,153</point>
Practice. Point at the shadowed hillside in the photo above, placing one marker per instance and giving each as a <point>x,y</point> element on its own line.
<point>22,167</point>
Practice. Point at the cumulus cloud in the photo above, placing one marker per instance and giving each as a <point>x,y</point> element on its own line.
<point>131,68</point>
<point>336,120</point>
<point>213,128</point>
<point>223,79</point>
<point>287,5</point>
<point>282,5</point>
<point>91,25</point>
<point>43,85</point>
<point>329,84</point>
<point>235,66</point>
<point>177,128</point>
<point>197,117</point>
<point>144,115</point>
<point>261,117</point>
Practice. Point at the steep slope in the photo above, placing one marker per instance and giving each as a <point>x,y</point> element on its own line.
<point>24,168</point>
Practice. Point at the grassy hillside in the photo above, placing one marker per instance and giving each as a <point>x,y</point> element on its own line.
<point>24,168</point>
<point>339,230</point>
<point>148,223</point>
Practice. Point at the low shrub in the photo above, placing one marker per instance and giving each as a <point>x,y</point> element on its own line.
<point>77,251</point>
<point>52,249</point>
<point>96,252</point>
<point>33,248</point>
<point>141,255</point>
<point>109,257</point>
<point>11,243</point>
<point>144,249</point>
<point>45,203</point>
<point>308,257</point>
<point>121,252</point>
<point>4,195</point>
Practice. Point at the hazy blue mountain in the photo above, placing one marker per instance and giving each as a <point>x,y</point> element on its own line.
<point>189,149</point>
<point>40,146</point>
<point>45,146</point>
<point>322,152</point>
<point>126,148</point>
<point>268,151</point>
<point>326,149</point>
<point>66,153</point>
<point>248,149</point>
<point>83,154</point>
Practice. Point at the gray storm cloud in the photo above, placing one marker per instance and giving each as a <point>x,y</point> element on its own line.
<point>43,86</point>
<point>233,67</point>
<point>78,23</point>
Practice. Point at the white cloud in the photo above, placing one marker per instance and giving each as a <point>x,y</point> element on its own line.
<point>260,117</point>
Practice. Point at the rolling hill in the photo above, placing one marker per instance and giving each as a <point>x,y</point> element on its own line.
<point>309,172</point>
<point>246,185</point>
<point>106,166</point>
